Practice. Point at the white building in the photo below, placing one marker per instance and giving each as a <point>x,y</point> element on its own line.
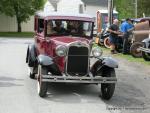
<point>70,6</point>
<point>9,24</point>
<point>90,7</point>
<point>48,7</point>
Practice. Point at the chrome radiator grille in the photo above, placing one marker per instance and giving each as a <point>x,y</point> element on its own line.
<point>77,61</point>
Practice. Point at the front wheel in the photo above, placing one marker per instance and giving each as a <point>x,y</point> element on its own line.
<point>107,89</point>
<point>42,86</point>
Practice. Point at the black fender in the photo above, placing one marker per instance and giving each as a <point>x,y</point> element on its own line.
<point>45,60</point>
<point>48,62</point>
<point>31,55</point>
<point>103,64</point>
<point>96,67</point>
<point>110,62</point>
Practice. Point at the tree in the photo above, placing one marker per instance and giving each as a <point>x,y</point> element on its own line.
<point>143,7</point>
<point>126,8</point>
<point>21,9</point>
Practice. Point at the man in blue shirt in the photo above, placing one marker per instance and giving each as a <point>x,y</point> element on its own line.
<point>126,27</point>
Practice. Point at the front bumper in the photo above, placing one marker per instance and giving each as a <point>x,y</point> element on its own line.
<point>75,79</point>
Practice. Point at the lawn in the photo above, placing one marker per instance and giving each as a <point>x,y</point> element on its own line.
<point>127,57</point>
<point>16,34</point>
<point>132,59</point>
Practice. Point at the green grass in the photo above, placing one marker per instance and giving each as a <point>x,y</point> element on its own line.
<point>130,58</point>
<point>16,34</point>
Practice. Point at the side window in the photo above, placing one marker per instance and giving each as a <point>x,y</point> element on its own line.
<point>40,25</point>
<point>87,28</point>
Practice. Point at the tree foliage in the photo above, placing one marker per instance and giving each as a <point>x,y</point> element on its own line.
<point>143,7</point>
<point>126,8</point>
<point>22,9</point>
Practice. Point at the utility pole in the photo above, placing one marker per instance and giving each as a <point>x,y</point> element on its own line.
<point>135,8</point>
<point>110,12</point>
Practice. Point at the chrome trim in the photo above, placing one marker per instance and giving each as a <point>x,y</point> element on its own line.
<point>78,44</point>
<point>147,50</point>
<point>71,79</point>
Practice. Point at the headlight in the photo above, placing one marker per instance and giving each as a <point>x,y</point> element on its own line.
<point>61,51</point>
<point>97,52</point>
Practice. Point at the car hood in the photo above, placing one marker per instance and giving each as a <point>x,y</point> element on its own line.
<point>65,40</point>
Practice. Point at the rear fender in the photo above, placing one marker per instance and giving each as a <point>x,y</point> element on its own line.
<point>31,55</point>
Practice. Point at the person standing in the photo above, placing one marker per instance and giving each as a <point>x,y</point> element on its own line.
<point>126,28</point>
<point>114,32</point>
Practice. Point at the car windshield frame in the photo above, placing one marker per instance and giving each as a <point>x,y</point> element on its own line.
<point>65,24</point>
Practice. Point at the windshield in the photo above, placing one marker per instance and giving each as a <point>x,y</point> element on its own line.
<point>68,27</point>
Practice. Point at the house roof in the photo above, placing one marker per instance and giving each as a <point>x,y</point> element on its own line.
<point>96,2</point>
<point>54,3</point>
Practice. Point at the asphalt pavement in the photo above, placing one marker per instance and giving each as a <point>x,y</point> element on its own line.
<point>18,93</point>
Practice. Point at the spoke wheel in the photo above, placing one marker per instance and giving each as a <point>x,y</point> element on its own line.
<point>107,89</point>
<point>134,49</point>
<point>42,87</point>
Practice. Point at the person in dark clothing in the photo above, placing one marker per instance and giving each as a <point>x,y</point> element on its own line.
<point>114,32</point>
<point>126,28</point>
<point>59,29</point>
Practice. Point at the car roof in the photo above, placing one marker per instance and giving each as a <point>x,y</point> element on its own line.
<point>141,19</point>
<point>66,16</point>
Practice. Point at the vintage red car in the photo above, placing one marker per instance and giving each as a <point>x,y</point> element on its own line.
<point>62,53</point>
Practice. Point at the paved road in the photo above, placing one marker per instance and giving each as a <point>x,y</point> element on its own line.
<point>18,93</point>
